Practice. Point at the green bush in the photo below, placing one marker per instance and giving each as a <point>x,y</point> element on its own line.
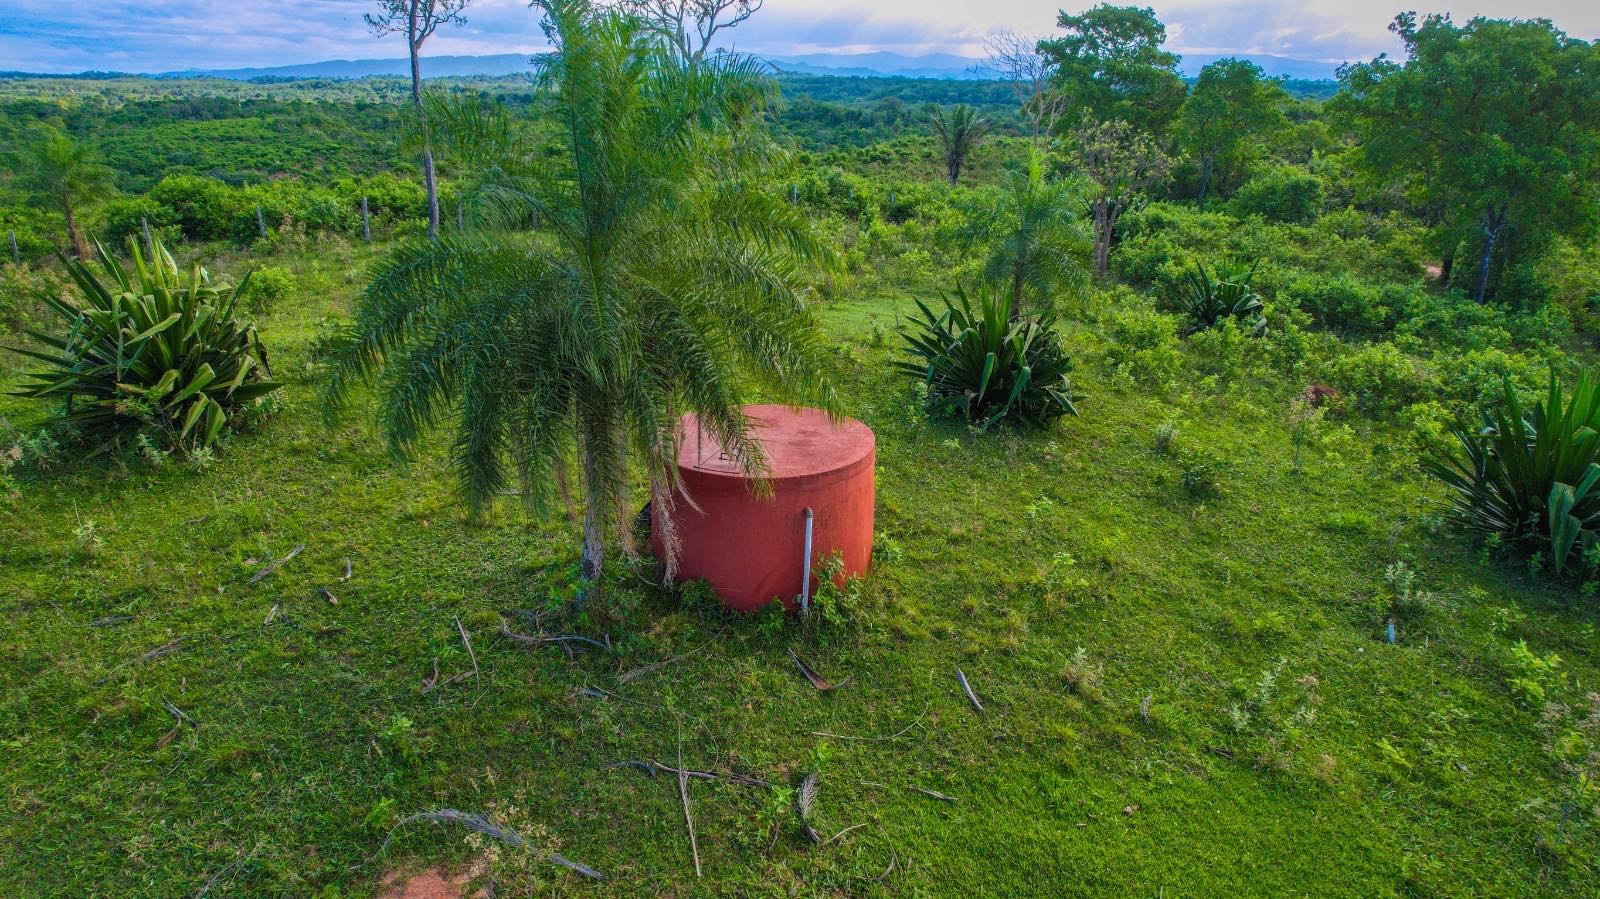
<point>1378,378</point>
<point>266,288</point>
<point>125,217</point>
<point>1532,480</point>
<point>987,367</point>
<point>155,354</point>
<point>1144,345</point>
<point>1283,194</point>
<point>1342,302</point>
<point>202,208</point>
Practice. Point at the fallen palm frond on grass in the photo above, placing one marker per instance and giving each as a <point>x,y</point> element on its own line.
<point>817,680</point>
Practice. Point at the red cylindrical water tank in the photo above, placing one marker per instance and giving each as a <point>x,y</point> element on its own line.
<point>751,549</point>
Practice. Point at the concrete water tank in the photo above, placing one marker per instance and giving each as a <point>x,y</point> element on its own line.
<point>750,549</point>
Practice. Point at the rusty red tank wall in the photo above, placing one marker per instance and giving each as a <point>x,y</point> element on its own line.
<point>749,548</point>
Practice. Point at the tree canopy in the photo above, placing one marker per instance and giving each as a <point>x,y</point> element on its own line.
<point>1225,121</point>
<point>1492,129</point>
<point>1111,66</point>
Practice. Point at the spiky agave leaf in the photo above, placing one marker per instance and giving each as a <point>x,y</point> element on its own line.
<point>1533,478</point>
<point>149,348</point>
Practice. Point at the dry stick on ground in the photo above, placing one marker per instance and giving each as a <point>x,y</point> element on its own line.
<point>546,639</point>
<point>162,651</point>
<point>482,825</point>
<point>688,819</point>
<point>935,794</point>
<point>743,780</point>
<point>635,674</point>
<point>843,832</point>
<point>274,566</point>
<point>470,654</point>
<point>894,736</point>
<point>968,689</point>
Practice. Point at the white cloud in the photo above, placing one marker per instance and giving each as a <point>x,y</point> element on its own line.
<point>166,35</point>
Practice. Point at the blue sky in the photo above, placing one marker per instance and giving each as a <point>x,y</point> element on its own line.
<point>168,35</point>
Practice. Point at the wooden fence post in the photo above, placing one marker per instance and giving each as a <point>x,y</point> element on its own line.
<point>261,221</point>
<point>149,245</point>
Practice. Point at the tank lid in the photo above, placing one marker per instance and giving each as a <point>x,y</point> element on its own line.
<point>799,442</point>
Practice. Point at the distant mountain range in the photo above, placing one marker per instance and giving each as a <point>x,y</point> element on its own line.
<point>880,64</point>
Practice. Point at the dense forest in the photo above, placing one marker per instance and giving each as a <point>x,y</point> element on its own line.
<point>1238,488</point>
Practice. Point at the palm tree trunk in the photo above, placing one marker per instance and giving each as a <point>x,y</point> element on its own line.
<point>953,168</point>
<point>80,247</point>
<point>594,536</point>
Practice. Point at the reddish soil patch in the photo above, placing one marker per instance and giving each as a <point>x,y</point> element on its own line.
<point>434,883</point>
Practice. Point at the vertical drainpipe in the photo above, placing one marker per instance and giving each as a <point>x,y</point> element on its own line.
<point>805,573</point>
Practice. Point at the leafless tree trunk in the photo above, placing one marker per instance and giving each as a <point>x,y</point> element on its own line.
<point>417,20</point>
<point>1015,59</point>
<point>80,247</point>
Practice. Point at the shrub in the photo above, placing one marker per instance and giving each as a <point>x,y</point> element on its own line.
<point>1283,194</point>
<point>1144,345</point>
<point>1222,293</point>
<point>1378,378</point>
<point>156,353</point>
<point>1343,302</point>
<point>986,366</point>
<point>125,217</point>
<point>1530,480</point>
<point>266,287</point>
<point>204,208</point>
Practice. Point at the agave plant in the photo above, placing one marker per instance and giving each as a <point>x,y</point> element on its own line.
<point>150,349</point>
<point>1224,292</point>
<point>1531,478</point>
<point>987,366</point>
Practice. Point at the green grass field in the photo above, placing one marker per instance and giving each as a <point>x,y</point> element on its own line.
<point>1187,691</point>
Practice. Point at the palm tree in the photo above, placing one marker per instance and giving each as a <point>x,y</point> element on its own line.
<point>1033,234</point>
<point>959,132</point>
<point>660,283</point>
<point>60,171</point>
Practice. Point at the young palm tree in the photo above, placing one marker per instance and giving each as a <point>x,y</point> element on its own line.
<point>661,282</point>
<point>1034,234</point>
<point>64,173</point>
<point>959,133</point>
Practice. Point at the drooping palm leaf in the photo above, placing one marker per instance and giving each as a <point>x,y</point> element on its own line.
<point>659,281</point>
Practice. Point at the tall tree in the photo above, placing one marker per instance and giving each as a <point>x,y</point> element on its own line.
<point>959,133</point>
<point>1031,234</point>
<point>58,171</point>
<point>1233,109</point>
<point>691,25</point>
<point>1122,163</point>
<point>1492,127</point>
<point>1110,65</point>
<point>662,282</point>
<point>418,20</point>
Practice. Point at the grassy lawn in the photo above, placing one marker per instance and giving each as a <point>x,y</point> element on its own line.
<point>1186,680</point>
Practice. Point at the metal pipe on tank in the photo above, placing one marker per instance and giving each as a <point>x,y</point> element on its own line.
<point>805,574</point>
